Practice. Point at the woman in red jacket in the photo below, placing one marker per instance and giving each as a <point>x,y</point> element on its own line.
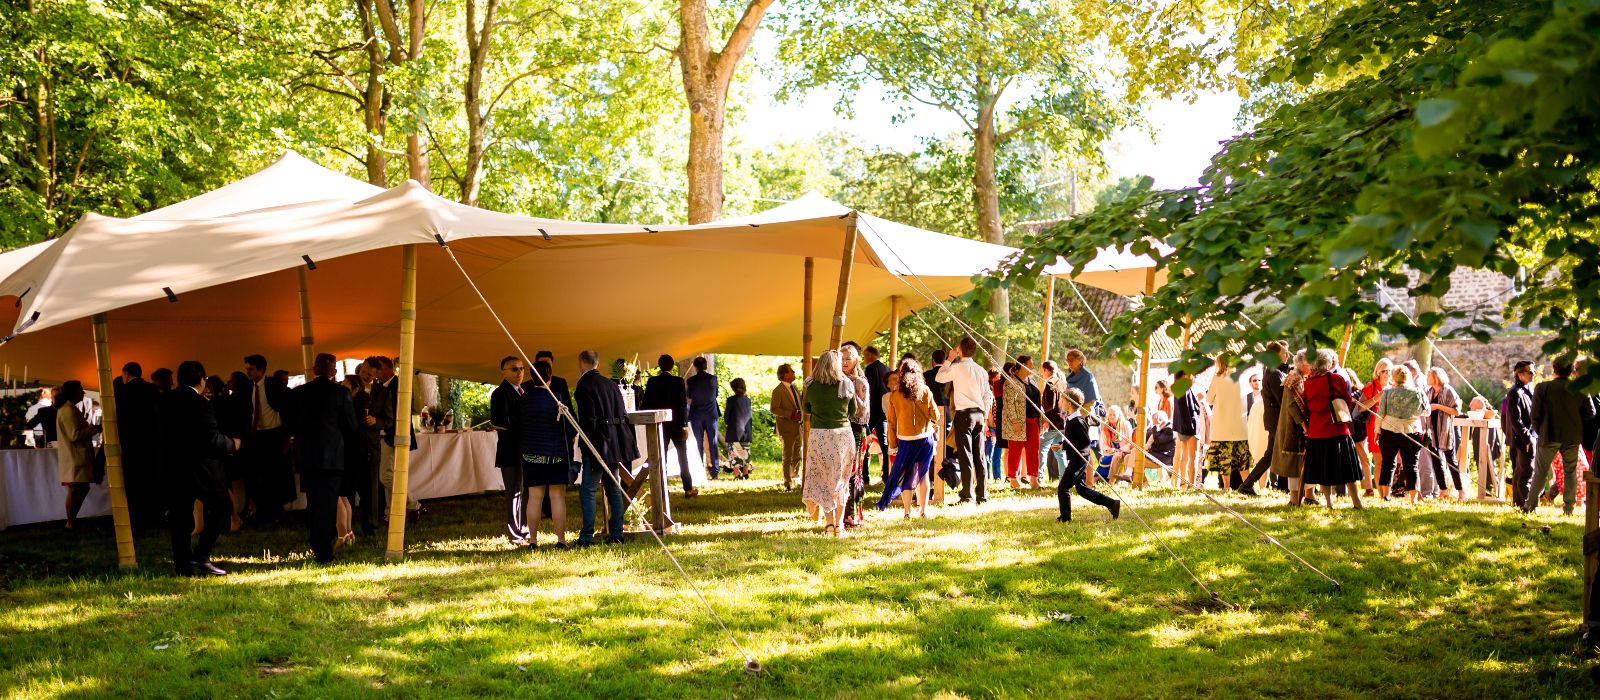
<point>1331,458</point>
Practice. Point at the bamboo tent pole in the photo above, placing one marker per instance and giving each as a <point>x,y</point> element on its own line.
<point>1344,348</point>
<point>1049,316</point>
<point>402,421</point>
<point>894,331</point>
<point>805,333</point>
<point>120,520</point>
<point>1142,398</point>
<point>846,266</point>
<point>307,344</point>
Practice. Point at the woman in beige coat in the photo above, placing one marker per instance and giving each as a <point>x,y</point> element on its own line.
<point>74,448</point>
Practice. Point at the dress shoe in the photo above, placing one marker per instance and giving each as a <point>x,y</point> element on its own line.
<point>1247,491</point>
<point>615,540</point>
<point>206,568</point>
<point>1063,519</point>
<point>960,501</point>
<point>561,545</point>
<point>691,493</point>
<point>1116,509</point>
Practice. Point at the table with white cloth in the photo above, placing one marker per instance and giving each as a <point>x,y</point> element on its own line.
<point>454,464</point>
<point>31,490</point>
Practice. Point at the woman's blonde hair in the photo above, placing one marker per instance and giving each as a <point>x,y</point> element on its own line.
<point>827,369</point>
<point>1400,375</point>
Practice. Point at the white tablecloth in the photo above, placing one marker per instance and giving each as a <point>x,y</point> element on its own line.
<point>31,490</point>
<point>454,464</point>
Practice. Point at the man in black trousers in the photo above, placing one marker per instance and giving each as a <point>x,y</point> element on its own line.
<point>136,424</point>
<point>324,423</point>
<point>1271,401</point>
<point>603,417</point>
<point>505,416</point>
<point>191,460</point>
<point>269,475</point>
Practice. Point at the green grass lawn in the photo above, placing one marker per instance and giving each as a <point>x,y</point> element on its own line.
<point>1451,601</point>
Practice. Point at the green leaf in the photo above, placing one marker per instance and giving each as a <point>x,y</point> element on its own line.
<point>1435,111</point>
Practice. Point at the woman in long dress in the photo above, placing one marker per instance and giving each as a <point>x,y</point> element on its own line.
<point>829,400</point>
<point>911,415</point>
<point>1229,452</point>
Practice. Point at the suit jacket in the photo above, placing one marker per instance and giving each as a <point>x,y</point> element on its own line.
<point>702,390</point>
<point>604,419</point>
<point>877,386</point>
<point>1517,419</point>
<point>1557,413</point>
<point>1272,395</point>
<point>136,419</point>
<point>191,447</point>
<point>785,403</point>
<point>386,409</point>
<point>666,391</point>
<point>505,416</point>
<point>324,423</point>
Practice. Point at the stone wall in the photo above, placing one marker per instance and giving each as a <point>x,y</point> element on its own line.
<point>1483,363</point>
<point>1480,293</point>
<point>1115,378</point>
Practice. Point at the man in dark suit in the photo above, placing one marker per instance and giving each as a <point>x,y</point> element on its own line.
<point>1522,436</point>
<point>1558,418</point>
<point>505,416</point>
<point>704,409</point>
<point>603,418</point>
<point>324,424</point>
<point>877,388</point>
<point>665,390</point>
<point>386,410</point>
<point>191,452</point>
<point>1271,400</point>
<point>269,475</point>
<point>136,424</point>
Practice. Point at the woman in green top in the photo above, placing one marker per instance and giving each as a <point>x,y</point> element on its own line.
<point>1400,412</point>
<point>829,402</point>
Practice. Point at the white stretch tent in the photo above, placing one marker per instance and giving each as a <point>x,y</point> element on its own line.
<point>624,290</point>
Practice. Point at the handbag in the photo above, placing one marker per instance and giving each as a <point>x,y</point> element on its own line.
<point>1337,407</point>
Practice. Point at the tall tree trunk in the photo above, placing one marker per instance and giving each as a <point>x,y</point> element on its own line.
<point>706,75</point>
<point>704,168</point>
<point>1422,351</point>
<point>373,99</point>
<point>416,155</point>
<point>43,143</point>
<point>987,192</point>
<point>478,38</point>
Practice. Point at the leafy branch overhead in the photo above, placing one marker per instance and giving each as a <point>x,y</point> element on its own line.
<point>1458,135</point>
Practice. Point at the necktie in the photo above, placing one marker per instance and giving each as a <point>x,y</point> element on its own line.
<point>255,408</point>
<point>796,395</point>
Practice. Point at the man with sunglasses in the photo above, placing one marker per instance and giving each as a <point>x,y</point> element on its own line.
<point>505,416</point>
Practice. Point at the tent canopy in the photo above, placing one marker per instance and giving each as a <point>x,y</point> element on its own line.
<point>1117,270</point>
<point>623,290</point>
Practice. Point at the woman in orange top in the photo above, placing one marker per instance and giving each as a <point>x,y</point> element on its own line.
<point>911,414</point>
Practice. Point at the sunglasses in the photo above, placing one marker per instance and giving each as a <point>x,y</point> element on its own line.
<point>517,369</point>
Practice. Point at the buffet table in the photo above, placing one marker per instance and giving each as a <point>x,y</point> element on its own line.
<point>31,490</point>
<point>454,464</point>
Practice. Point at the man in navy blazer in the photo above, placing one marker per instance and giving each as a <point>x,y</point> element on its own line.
<point>324,423</point>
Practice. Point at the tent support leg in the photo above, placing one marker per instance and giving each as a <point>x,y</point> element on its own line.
<point>308,351</point>
<point>1141,399</point>
<point>1344,348</point>
<point>120,519</point>
<point>805,331</point>
<point>402,420</point>
<point>894,331</point>
<point>1049,316</point>
<point>846,265</point>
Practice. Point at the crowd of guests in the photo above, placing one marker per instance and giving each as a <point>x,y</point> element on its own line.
<point>202,454</point>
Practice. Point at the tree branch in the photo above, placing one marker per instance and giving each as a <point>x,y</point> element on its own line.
<point>738,41</point>
<point>329,90</point>
<point>518,77</point>
<point>353,156</point>
<point>391,31</point>
<point>443,154</point>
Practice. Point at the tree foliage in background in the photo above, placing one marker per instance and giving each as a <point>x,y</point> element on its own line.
<point>1459,134</point>
<point>117,106</point>
<point>971,60</point>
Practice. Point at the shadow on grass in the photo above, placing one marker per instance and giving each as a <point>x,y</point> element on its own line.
<point>998,602</point>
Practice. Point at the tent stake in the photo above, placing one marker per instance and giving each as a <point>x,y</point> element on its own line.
<point>1141,399</point>
<point>307,344</point>
<point>402,419</point>
<point>113,447</point>
<point>846,264</point>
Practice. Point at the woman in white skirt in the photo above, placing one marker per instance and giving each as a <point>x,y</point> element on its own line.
<point>829,401</point>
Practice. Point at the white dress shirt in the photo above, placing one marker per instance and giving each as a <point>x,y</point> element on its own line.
<point>268,417</point>
<point>970,385</point>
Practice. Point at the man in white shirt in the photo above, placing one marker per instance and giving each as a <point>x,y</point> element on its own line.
<point>970,401</point>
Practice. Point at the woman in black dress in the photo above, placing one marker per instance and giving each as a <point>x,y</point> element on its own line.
<point>361,468</point>
<point>546,452</point>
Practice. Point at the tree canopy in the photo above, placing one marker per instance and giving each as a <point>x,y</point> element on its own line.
<point>1453,134</point>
